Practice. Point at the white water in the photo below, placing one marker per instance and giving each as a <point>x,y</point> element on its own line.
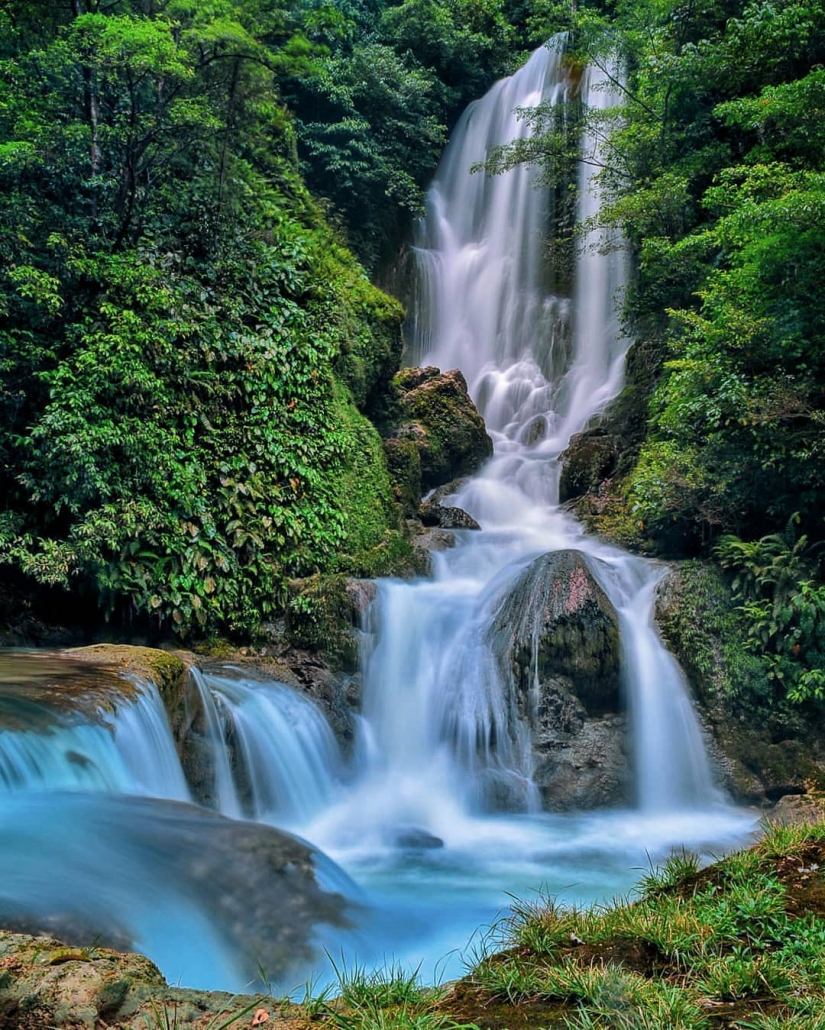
<point>444,736</point>
<point>286,754</point>
<point>439,742</point>
<point>129,750</point>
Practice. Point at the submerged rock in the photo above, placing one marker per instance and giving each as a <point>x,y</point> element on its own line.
<point>417,838</point>
<point>556,638</point>
<point>243,896</point>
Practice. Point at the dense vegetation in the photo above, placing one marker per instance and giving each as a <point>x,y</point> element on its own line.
<point>190,354</point>
<point>716,169</point>
<point>187,348</point>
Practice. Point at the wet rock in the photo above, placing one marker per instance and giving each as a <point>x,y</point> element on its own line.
<point>587,767</point>
<point>361,593</point>
<point>590,458</point>
<point>40,690</point>
<point>418,838</point>
<point>268,897</point>
<point>797,810</point>
<point>425,544</point>
<point>442,493</point>
<point>556,638</point>
<point>557,621</point>
<point>167,670</point>
<point>438,417</point>
<point>446,517</point>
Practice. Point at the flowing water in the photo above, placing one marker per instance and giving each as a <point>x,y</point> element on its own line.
<point>410,815</point>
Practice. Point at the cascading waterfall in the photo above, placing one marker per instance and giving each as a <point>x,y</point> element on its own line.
<point>127,750</point>
<point>442,721</point>
<point>287,764</point>
<point>441,745</point>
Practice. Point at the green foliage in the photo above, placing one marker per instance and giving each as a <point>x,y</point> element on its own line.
<point>784,606</point>
<point>372,117</point>
<point>179,328</point>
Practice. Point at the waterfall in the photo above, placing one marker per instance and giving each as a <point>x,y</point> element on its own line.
<point>444,733</point>
<point>128,750</point>
<point>442,745</point>
<point>274,757</point>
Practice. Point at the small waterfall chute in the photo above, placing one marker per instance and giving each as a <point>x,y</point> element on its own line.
<point>275,757</point>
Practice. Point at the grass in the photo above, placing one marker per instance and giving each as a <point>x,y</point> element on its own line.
<point>740,944</point>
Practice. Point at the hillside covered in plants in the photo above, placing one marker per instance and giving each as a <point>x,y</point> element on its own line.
<point>197,198</point>
<point>190,353</point>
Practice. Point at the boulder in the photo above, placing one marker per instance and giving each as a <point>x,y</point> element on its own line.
<point>556,638</point>
<point>278,899</point>
<point>442,493</point>
<point>446,517</point>
<point>589,767</point>
<point>590,458</point>
<point>796,810</point>
<point>557,621</point>
<point>438,418</point>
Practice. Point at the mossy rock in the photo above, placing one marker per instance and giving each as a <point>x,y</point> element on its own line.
<point>168,671</point>
<point>439,418</point>
<point>588,460</point>
<point>320,616</point>
<point>371,352</point>
<point>556,621</point>
<point>404,464</point>
<point>762,743</point>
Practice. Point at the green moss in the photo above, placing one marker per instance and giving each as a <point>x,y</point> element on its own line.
<point>698,617</point>
<point>404,464</point>
<point>444,423</point>
<point>167,671</point>
<point>370,327</point>
<point>320,617</point>
<point>364,489</point>
<point>393,556</point>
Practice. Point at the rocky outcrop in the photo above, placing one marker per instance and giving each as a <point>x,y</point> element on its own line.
<point>764,747</point>
<point>446,517</point>
<point>590,458</point>
<point>167,670</point>
<point>558,622</point>
<point>556,637</point>
<point>585,767</point>
<point>437,434</point>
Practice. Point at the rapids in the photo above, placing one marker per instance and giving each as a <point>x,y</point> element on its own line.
<point>406,816</point>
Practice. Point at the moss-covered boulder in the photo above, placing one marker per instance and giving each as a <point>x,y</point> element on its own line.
<point>323,614</point>
<point>166,669</point>
<point>589,459</point>
<point>434,413</point>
